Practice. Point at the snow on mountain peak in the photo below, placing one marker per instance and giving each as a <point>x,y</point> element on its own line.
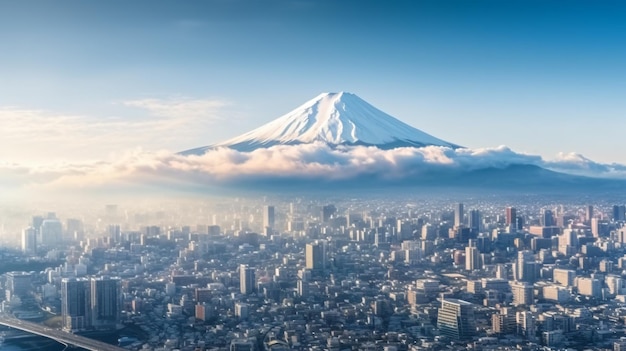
<point>336,119</point>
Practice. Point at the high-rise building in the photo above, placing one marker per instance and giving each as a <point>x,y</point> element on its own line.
<point>525,268</point>
<point>547,218</point>
<point>247,279</point>
<point>511,217</point>
<point>51,232</point>
<point>75,303</point>
<point>619,213</point>
<point>474,220</point>
<point>315,256</point>
<point>588,213</point>
<point>105,302</point>
<point>472,256</point>
<point>269,219</point>
<point>458,215</point>
<point>29,240</point>
<point>455,319</point>
<point>595,227</point>
<point>526,324</point>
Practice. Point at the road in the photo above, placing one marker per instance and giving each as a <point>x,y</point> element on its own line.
<point>58,335</point>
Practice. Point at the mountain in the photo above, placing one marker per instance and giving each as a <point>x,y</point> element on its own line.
<point>335,119</point>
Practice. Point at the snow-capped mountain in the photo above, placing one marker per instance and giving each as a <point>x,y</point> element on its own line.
<point>335,119</point>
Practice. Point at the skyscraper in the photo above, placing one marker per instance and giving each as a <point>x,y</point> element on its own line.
<point>525,268</point>
<point>51,232</point>
<point>316,256</point>
<point>247,279</point>
<point>595,227</point>
<point>458,215</point>
<point>619,212</point>
<point>511,217</point>
<point>29,240</point>
<point>105,302</point>
<point>588,213</point>
<point>75,303</point>
<point>474,220</point>
<point>269,220</point>
<point>472,256</point>
<point>455,319</point>
<point>547,218</point>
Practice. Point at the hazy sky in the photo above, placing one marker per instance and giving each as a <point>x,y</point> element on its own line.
<point>87,80</point>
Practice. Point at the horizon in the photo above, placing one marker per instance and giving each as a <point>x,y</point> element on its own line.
<point>106,95</point>
<point>191,69</point>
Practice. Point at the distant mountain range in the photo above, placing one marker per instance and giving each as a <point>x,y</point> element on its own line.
<point>343,120</point>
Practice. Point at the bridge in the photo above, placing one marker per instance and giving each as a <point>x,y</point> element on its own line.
<point>58,335</point>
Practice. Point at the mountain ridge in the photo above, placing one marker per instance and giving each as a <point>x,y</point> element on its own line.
<point>335,119</point>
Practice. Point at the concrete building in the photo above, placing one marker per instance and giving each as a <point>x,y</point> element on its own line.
<point>29,240</point>
<point>522,293</point>
<point>455,319</point>
<point>247,279</point>
<point>106,294</point>
<point>75,304</point>
<point>315,256</point>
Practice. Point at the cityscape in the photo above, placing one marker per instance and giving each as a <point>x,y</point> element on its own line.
<point>357,274</point>
<point>312,175</point>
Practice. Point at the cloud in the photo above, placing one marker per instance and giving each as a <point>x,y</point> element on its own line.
<point>41,135</point>
<point>224,167</point>
<point>180,108</point>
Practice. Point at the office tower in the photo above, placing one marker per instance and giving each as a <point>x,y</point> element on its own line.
<point>511,217</point>
<point>474,220</point>
<point>595,227</point>
<point>547,218</point>
<point>564,277</point>
<point>51,232</point>
<point>316,256</point>
<point>269,219</point>
<point>458,215</point>
<point>247,279</point>
<point>75,304</point>
<point>429,232</point>
<point>37,221</point>
<point>455,319</point>
<point>588,213</point>
<point>522,293</point>
<point>29,240</point>
<point>105,302</point>
<point>619,212</point>
<point>525,268</point>
<point>472,256</point>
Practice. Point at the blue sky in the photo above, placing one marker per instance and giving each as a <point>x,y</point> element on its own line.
<point>91,79</point>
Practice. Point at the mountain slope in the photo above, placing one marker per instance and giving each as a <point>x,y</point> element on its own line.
<point>335,119</point>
